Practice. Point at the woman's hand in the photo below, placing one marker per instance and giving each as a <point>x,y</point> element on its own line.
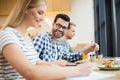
<point>85,68</point>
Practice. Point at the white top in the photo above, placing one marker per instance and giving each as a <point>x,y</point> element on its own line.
<point>10,36</point>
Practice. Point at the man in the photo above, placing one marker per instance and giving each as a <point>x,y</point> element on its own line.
<point>69,34</point>
<point>48,45</point>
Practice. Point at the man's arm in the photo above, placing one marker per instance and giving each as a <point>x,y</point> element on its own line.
<point>75,56</point>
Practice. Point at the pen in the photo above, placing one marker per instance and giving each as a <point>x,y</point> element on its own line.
<point>84,56</point>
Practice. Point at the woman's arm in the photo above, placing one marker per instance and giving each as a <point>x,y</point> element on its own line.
<point>57,62</point>
<point>18,60</point>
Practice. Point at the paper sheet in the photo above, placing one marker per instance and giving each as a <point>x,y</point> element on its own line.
<point>93,76</point>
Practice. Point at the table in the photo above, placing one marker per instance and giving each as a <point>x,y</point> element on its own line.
<point>115,77</point>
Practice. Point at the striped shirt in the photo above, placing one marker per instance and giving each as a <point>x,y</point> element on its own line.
<point>10,36</point>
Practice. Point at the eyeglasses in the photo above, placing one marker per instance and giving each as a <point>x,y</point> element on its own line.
<point>60,26</point>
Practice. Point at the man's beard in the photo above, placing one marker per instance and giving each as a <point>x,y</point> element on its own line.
<point>59,35</point>
<point>69,37</point>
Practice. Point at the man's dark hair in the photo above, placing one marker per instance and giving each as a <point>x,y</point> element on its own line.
<point>62,16</point>
<point>71,24</point>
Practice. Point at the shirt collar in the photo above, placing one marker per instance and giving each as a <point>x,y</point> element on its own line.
<point>51,37</point>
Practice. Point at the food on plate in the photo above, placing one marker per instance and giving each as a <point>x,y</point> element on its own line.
<point>109,63</point>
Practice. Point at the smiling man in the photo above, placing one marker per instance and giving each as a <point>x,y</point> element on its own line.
<point>48,45</point>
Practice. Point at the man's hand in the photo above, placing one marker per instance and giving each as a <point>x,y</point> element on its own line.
<point>91,47</point>
<point>61,62</point>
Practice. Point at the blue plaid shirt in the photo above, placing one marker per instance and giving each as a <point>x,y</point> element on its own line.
<point>50,51</point>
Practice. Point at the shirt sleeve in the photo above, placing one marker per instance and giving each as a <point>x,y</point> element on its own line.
<point>6,38</point>
<point>70,56</point>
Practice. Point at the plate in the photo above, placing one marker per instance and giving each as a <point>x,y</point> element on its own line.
<point>115,68</point>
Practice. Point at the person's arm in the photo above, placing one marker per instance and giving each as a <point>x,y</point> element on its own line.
<point>70,56</point>
<point>56,62</point>
<point>91,47</point>
<point>75,56</point>
<point>41,72</point>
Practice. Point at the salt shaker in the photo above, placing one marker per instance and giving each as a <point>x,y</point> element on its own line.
<point>92,57</point>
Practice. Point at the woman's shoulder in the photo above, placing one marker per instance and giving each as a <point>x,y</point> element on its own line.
<point>6,37</point>
<point>6,33</point>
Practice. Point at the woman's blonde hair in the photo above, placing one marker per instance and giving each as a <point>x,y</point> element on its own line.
<point>18,13</point>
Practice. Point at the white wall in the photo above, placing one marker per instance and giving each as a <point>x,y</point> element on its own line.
<point>83,16</point>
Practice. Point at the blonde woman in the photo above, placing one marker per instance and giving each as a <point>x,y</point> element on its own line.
<point>18,57</point>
